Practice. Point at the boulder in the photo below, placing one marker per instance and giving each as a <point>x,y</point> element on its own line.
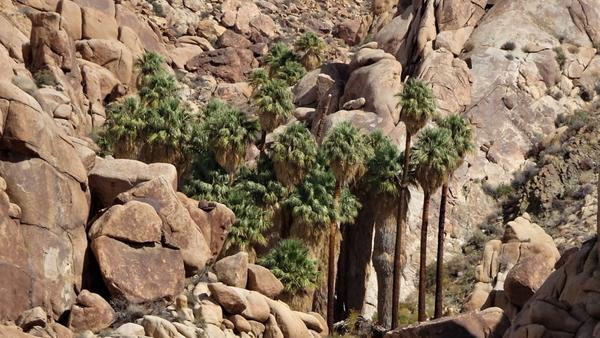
<point>91,312</point>
<point>130,329</point>
<point>489,323</point>
<point>110,177</point>
<point>139,274</point>
<point>179,229</point>
<point>246,18</point>
<point>32,317</point>
<point>258,328</point>
<point>257,307</point>
<point>525,278</point>
<point>210,312</point>
<point>262,280</point>
<point>231,299</point>
<point>229,64</point>
<point>183,54</point>
<point>272,330</point>
<point>157,327</point>
<point>12,39</point>
<point>13,332</point>
<point>311,321</point>
<point>135,222</point>
<point>240,323</point>
<point>291,326</point>
<point>71,14</point>
<point>98,25</point>
<point>233,270</point>
<point>110,54</point>
<point>150,41</point>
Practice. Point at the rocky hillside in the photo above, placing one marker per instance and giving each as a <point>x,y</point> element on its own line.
<point>524,72</point>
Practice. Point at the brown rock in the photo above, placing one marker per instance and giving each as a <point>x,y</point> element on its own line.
<point>99,83</point>
<point>71,14</point>
<point>110,54</point>
<point>230,64</point>
<point>183,54</point>
<point>32,317</point>
<point>210,312</point>
<point>139,274</point>
<point>233,270</point>
<point>179,230</point>
<point>133,222</point>
<point>97,24</point>
<point>240,323</point>
<point>257,307</point>
<point>232,39</point>
<point>105,6</point>
<point>128,18</point>
<point>262,280</point>
<point>12,39</point>
<point>91,312</point>
<point>349,31</point>
<point>489,323</point>
<point>272,330</point>
<point>109,178</point>
<point>231,299</point>
<point>291,326</point>
<point>311,321</point>
<point>258,328</point>
<point>13,332</point>
<point>160,328</point>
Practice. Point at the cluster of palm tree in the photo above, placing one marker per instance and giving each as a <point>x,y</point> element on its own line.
<point>431,162</point>
<point>155,125</point>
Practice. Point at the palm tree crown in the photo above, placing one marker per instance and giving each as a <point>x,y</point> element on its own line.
<point>418,105</point>
<point>346,151</point>
<point>294,153</point>
<point>461,133</point>
<point>274,101</point>
<point>150,63</point>
<point>231,132</point>
<point>385,167</point>
<point>311,47</point>
<point>433,156</point>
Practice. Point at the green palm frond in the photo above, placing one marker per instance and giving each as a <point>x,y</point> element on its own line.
<point>311,47</point>
<point>461,131</point>
<point>290,263</point>
<point>418,105</point>
<point>150,63</point>
<point>385,167</point>
<point>346,152</point>
<point>294,153</point>
<point>433,157</point>
<point>274,102</point>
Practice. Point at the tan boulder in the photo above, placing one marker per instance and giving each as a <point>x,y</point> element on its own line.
<point>97,24</point>
<point>71,14</point>
<point>262,280</point>
<point>105,6</point>
<point>229,64</point>
<point>291,326</point>
<point>257,307</point>
<point>272,330</point>
<point>130,329</point>
<point>525,278</point>
<point>110,177</point>
<point>139,274</point>
<point>12,39</point>
<point>32,317</point>
<point>135,222</point>
<point>312,322</point>
<point>489,323</point>
<point>13,332</point>
<point>157,327</point>
<point>110,54</point>
<point>179,229</point>
<point>150,40</point>
<point>210,312</point>
<point>182,54</point>
<point>230,299</point>
<point>129,38</point>
<point>245,17</point>
<point>99,83</point>
<point>233,270</point>
<point>240,323</point>
<point>258,328</point>
<point>91,312</point>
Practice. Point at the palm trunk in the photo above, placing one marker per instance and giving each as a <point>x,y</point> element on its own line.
<point>598,216</point>
<point>317,125</point>
<point>331,262</point>
<point>439,271</point>
<point>400,225</point>
<point>263,140</point>
<point>385,225</point>
<point>423,258</point>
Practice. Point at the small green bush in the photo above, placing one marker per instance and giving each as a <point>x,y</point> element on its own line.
<point>561,57</point>
<point>289,261</point>
<point>44,77</point>
<point>157,8</point>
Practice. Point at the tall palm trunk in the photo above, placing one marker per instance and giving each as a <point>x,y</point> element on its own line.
<point>331,262</point>
<point>423,258</point>
<point>400,225</point>
<point>439,273</point>
<point>383,247</point>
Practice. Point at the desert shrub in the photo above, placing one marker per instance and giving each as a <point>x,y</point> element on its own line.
<point>509,46</point>
<point>157,8</point>
<point>561,57</point>
<point>44,77</point>
<point>290,263</point>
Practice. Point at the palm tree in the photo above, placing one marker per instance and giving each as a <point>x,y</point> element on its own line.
<point>149,63</point>
<point>382,183</point>
<point>346,152</point>
<point>462,140</point>
<point>291,72</point>
<point>258,78</point>
<point>294,153</point>
<point>231,132</point>
<point>157,87</point>
<point>433,157</point>
<point>274,101</point>
<point>418,106</point>
<point>278,56</point>
<point>311,47</point>
<point>124,127</point>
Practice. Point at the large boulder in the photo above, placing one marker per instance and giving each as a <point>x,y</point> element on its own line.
<point>91,312</point>
<point>231,299</point>
<point>229,64</point>
<point>490,323</point>
<point>13,332</point>
<point>290,324</point>
<point>160,328</point>
<point>257,307</point>
<point>134,221</point>
<point>246,18</point>
<point>98,25</point>
<point>110,54</point>
<point>262,280</point>
<point>525,278</point>
<point>179,229</point>
<point>233,270</point>
<point>139,274</point>
<point>110,177</point>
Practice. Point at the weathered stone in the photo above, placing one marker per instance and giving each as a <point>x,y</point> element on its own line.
<point>98,25</point>
<point>157,327</point>
<point>233,270</point>
<point>130,329</point>
<point>91,312</point>
<point>13,332</point>
<point>110,177</point>
<point>229,298</point>
<point>110,54</point>
<point>257,307</point>
<point>229,64</point>
<point>139,274</point>
<point>71,14</point>
<point>210,312</point>
<point>135,222</point>
<point>240,323</point>
<point>33,317</point>
<point>291,326</point>
<point>262,280</point>
<point>179,229</point>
